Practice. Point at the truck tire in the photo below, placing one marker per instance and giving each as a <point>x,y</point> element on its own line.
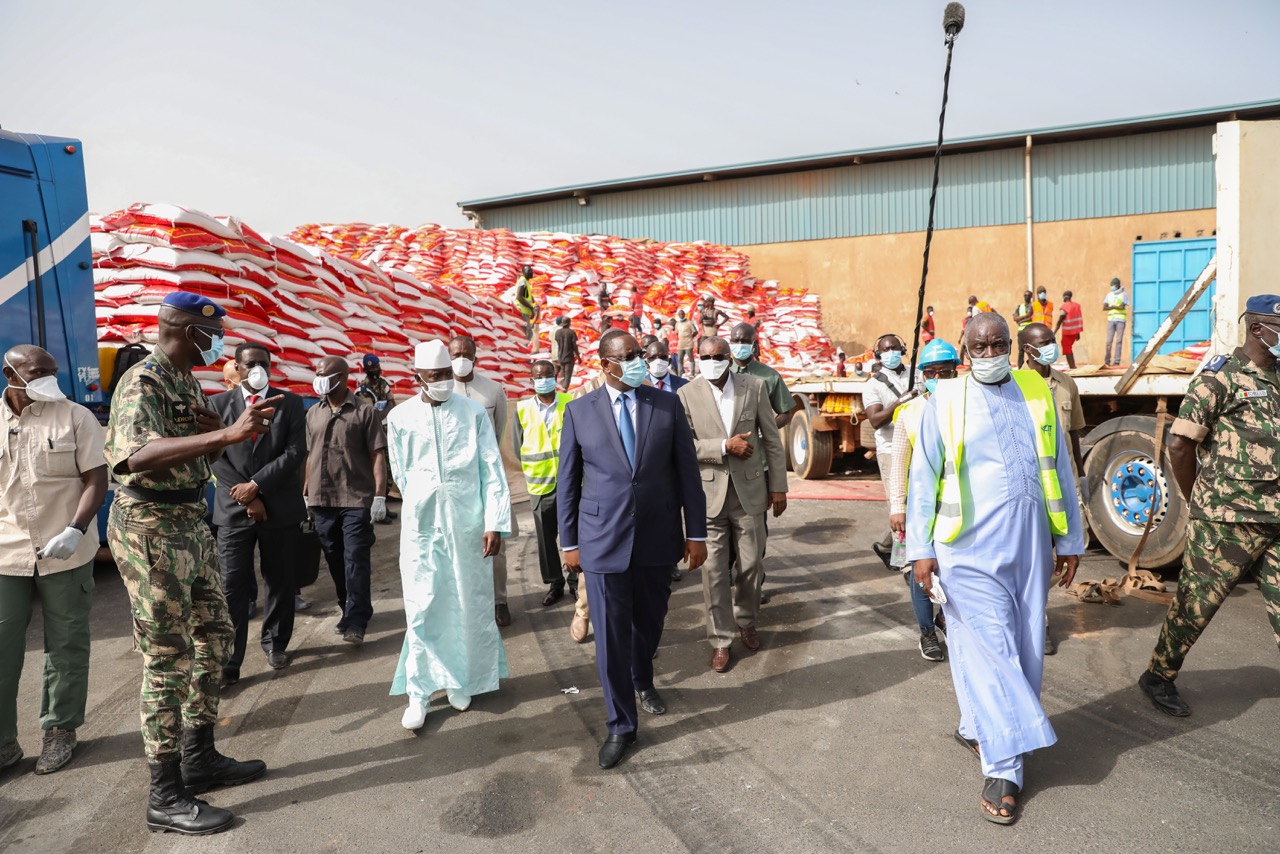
<point>1122,475</point>
<point>810,450</point>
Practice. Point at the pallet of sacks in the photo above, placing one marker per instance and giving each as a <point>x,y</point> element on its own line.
<point>639,276</point>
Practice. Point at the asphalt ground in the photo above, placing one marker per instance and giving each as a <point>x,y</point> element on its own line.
<point>835,736</point>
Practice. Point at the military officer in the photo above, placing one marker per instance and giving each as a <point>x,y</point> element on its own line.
<point>160,440</point>
<point>1230,419</point>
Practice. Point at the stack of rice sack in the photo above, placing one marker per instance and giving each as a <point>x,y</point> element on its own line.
<point>653,278</point>
<point>300,304</point>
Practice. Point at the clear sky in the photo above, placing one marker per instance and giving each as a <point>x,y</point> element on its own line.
<point>288,112</point>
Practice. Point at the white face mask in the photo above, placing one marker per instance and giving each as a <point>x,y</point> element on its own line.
<point>41,389</point>
<point>990,371</point>
<point>439,391</point>
<point>659,367</point>
<point>258,378</point>
<point>324,384</point>
<point>463,367</point>
<point>713,370</point>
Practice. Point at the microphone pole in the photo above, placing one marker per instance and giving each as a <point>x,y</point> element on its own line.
<point>952,23</point>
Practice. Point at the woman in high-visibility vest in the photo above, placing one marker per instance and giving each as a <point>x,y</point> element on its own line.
<point>985,513</point>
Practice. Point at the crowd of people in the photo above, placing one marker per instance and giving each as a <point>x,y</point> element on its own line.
<point>640,476</point>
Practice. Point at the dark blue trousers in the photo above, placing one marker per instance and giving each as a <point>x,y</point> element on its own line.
<point>346,538</point>
<point>628,610</point>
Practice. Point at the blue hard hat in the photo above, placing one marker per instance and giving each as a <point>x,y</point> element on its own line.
<point>937,351</point>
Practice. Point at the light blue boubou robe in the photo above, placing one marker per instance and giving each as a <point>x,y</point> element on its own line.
<point>446,462</point>
<point>996,574</point>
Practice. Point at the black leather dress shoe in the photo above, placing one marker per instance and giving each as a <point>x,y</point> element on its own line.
<point>1163,694</point>
<point>277,660</point>
<point>613,748</point>
<point>554,595</point>
<point>230,677</point>
<point>651,702</point>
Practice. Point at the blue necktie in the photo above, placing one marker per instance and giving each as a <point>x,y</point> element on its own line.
<point>627,429</point>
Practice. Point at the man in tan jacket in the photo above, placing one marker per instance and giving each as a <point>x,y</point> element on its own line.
<point>734,435</point>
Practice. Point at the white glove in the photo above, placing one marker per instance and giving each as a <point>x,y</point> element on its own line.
<point>62,546</point>
<point>379,510</point>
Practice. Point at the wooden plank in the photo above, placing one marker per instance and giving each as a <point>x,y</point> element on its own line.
<point>1207,275</point>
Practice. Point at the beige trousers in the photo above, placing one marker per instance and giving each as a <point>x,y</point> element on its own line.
<point>732,599</point>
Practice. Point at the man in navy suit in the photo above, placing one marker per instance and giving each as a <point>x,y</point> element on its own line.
<point>627,471</point>
<point>259,503</point>
<point>658,359</point>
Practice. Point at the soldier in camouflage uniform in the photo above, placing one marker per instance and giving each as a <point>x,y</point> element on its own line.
<point>1230,419</point>
<point>160,439</point>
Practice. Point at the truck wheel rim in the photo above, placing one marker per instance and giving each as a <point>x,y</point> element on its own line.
<point>1134,477</point>
<point>799,448</point>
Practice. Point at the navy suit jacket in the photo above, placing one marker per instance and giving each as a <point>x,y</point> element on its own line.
<point>617,517</point>
<point>274,461</point>
<point>673,382</point>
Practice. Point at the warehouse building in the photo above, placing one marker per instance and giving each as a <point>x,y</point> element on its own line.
<point>1068,208</point>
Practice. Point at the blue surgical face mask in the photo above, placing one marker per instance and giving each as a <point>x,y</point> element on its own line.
<point>990,371</point>
<point>741,352</point>
<point>1274,349</point>
<point>216,345</point>
<point>1048,354</point>
<point>930,386</point>
<point>891,359</point>
<point>634,370</point>
<point>544,385</point>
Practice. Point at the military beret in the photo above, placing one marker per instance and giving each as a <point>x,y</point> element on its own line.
<point>370,359</point>
<point>195,304</point>
<point>1267,305</point>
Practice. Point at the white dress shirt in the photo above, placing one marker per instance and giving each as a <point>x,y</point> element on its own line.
<point>724,402</point>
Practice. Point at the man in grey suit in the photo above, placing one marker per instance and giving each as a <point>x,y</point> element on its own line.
<point>259,503</point>
<point>735,433</point>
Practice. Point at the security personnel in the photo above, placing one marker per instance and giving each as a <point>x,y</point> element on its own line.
<point>536,436</point>
<point>160,440</point>
<point>1230,420</point>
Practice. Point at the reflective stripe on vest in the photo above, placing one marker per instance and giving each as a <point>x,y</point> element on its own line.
<point>540,450</point>
<point>951,396</point>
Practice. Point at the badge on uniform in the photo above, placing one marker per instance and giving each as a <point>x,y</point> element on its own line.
<point>1252,393</point>
<point>182,413</point>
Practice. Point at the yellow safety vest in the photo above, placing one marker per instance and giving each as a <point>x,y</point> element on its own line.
<point>540,451</point>
<point>951,396</point>
<point>1115,304</point>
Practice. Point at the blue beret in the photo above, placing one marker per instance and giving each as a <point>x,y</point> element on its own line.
<point>371,359</point>
<point>195,304</point>
<point>1267,305</point>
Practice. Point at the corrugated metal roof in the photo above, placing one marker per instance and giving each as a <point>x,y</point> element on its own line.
<point>1008,139</point>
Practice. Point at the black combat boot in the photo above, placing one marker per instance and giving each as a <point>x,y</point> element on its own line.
<point>171,807</point>
<point>204,768</point>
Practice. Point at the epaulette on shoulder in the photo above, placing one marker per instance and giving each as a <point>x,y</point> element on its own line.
<point>1214,365</point>
<point>150,372</point>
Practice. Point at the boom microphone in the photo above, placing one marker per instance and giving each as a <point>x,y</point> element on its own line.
<point>953,18</point>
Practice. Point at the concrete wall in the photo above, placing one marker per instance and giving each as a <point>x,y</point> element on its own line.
<point>869,284</point>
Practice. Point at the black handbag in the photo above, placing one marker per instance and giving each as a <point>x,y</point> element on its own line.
<point>308,566</point>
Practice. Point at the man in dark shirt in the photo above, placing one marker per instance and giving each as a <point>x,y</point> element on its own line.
<point>346,489</point>
<point>566,352</point>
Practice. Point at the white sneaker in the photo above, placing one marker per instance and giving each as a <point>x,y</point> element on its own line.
<point>459,700</point>
<point>414,716</point>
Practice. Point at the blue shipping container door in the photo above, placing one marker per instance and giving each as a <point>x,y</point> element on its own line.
<point>1163,270</point>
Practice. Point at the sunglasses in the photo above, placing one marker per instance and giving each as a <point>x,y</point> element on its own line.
<point>718,357</point>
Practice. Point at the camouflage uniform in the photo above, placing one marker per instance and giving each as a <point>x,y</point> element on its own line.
<point>167,559</point>
<point>1233,410</point>
<point>374,390</point>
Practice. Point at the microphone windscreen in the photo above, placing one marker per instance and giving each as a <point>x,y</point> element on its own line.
<point>953,18</point>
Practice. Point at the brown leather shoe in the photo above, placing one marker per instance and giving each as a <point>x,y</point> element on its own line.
<point>720,660</point>
<point>579,629</point>
<point>750,639</point>
<point>502,615</point>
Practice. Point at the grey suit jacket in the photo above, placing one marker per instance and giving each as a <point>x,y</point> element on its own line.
<point>752,414</point>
